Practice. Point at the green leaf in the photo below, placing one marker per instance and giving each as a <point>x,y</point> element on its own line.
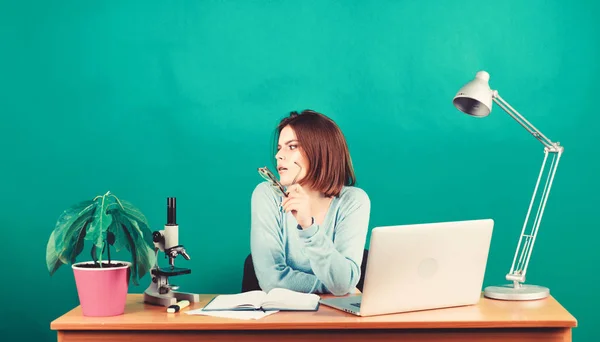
<point>99,225</point>
<point>134,212</point>
<point>52,260</point>
<point>121,241</point>
<point>65,241</point>
<point>142,256</point>
<point>146,263</point>
<point>135,215</point>
<point>79,239</point>
<point>68,217</point>
<point>72,244</point>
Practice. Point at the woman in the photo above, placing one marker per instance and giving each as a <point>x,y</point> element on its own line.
<point>311,241</point>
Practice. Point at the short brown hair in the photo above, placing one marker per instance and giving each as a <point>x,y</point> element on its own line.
<point>325,148</point>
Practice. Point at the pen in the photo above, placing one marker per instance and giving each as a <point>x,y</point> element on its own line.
<point>176,307</point>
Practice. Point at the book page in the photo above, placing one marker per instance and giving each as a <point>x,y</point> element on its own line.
<point>290,300</point>
<point>250,299</point>
<point>246,315</point>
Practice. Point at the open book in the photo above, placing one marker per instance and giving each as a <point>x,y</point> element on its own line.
<point>276,299</point>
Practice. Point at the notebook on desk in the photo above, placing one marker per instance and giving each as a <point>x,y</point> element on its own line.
<point>275,300</point>
<point>420,267</point>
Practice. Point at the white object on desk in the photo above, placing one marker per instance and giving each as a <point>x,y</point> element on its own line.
<point>278,299</point>
<point>179,306</point>
<point>246,315</point>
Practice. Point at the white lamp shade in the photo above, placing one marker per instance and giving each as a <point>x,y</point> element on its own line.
<point>475,97</point>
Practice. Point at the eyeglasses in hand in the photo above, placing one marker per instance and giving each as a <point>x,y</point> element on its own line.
<point>270,177</point>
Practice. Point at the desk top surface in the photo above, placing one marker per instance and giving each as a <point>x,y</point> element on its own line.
<point>488,313</point>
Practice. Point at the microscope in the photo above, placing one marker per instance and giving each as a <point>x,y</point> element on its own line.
<point>160,291</point>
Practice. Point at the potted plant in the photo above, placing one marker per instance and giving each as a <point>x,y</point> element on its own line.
<point>107,223</point>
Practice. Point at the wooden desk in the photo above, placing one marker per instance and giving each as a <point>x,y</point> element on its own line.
<point>491,320</point>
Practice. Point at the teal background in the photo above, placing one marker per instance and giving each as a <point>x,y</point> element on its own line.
<point>150,99</point>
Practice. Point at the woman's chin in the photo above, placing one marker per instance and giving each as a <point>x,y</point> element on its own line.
<point>288,181</point>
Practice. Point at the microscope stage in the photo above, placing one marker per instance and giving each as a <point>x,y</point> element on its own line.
<point>169,272</point>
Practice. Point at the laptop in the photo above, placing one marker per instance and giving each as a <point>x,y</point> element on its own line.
<point>420,267</point>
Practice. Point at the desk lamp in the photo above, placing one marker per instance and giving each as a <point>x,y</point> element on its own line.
<point>475,98</point>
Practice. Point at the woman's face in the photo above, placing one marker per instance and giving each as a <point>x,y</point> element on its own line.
<point>288,156</point>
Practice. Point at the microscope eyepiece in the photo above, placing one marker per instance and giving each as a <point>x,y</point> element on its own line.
<point>171,211</point>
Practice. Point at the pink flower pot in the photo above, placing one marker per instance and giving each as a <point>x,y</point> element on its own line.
<point>102,291</point>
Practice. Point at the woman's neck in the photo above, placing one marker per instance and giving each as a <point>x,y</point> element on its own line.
<point>319,204</point>
<point>314,195</point>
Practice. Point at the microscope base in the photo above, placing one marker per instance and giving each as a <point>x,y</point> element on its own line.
<point>168,299</point>
<point>160,292</point>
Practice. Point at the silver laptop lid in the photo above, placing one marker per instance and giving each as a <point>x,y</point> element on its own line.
<point>425,266</point>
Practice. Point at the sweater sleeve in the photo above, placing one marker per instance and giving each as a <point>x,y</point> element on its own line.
<point>267,246</point>
<point>337,263</point>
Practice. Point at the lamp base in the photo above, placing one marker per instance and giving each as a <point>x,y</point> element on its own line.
<point>522,292</point>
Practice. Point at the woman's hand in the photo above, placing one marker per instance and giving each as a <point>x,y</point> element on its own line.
<point>298,203</point>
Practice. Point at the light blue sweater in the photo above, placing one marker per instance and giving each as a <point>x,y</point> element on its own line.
<point>323,258</point>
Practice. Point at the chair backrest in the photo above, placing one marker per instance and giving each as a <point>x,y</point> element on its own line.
<point>363,270</point>
<point>250,282</point>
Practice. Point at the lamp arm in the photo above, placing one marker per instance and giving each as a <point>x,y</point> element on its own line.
<point>553,146</point>
<point>518,269</point>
